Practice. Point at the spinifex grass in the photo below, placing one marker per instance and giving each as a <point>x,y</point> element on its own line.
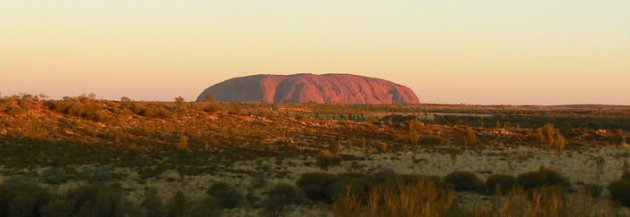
<point>422,199</point>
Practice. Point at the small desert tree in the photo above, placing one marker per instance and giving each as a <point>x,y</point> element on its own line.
<point>182,144</point>
<point>470,139</point>
<point>209,98</point>
<point>179,100</point>
<point>622,135</point>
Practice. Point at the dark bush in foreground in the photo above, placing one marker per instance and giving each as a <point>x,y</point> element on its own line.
<point>281,196</point>
<point>152,205</point>
<point>465,181</point>
<point>21,196</point>
<point>209,206</point>
<point>315,185</point>
<point>229,196</point>
<point>542,178</point>
<point>620,191</point>
<point>500,184</point>
<point>58,207</point>
<point>99,200</point>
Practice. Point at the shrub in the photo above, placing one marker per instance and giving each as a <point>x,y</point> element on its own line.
<point>148,110</point>
<point>229,196</point>
<point>99,200</point>
<point>53,176</point>
<point>542,178</point>
<point>182,144</point>
<point>470,139</point>
<point>209,98</point>
<point>152,205</point>
<point>422,198</point>
<point>213,108</point>
<point>315,185</point>
<point>360,185</point>
<point>620,191</point>
<point>209,206</point>
<point>593,190</point>
<point>98,174</point>
<point>23,204</point>
<point>15,111</point>
<point>58,207</point>
<point>500,184</point>
<point>432,140</point>
<point>328,188</point>
<point>178,205</point>
<point>21,196</point>
<point>326,160</point>
<point>465,181</point>
<point>551,137</point>
<point>280,196</point>
<point>83,107</point>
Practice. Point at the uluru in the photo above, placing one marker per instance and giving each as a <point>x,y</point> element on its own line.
<point>325,88</point>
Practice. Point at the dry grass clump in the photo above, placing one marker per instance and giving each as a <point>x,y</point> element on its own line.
<point>425,199</point>
<point>551,137</point>
<point>500,184</point>
<point>545,202</point>
<point>422,198</point>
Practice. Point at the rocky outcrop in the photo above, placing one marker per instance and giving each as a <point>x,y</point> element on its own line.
<point>327,88</point>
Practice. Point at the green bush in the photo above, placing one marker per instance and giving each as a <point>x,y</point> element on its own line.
<point>229,196</point>
<point>465,181</point>
<point>326,187</point>
<point>15,111</point>
<point>213,108</point>
<point>53,176</point>
<point>280,196</point>
<point>620,191</point>
<point>99,200</point>
<point>148,110</point>
<point>58,207</point>
<point>209,206</point>
<point>315,185</point>
<point>500,184</point>
<point>152,205</point>
<point>542,178</point>
<point>97,174</point>
<point>21,197</point>
<point>178,206</point>
<point>82,107</point>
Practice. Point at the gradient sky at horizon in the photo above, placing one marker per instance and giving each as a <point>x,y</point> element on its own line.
<point>474,52</point>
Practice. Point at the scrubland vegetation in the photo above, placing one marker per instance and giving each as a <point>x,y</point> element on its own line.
<point>81,156</point>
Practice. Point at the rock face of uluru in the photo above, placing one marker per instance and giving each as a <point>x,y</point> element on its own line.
<point>327,88</point>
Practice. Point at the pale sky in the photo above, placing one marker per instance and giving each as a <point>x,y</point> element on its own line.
<point>474,52</point>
